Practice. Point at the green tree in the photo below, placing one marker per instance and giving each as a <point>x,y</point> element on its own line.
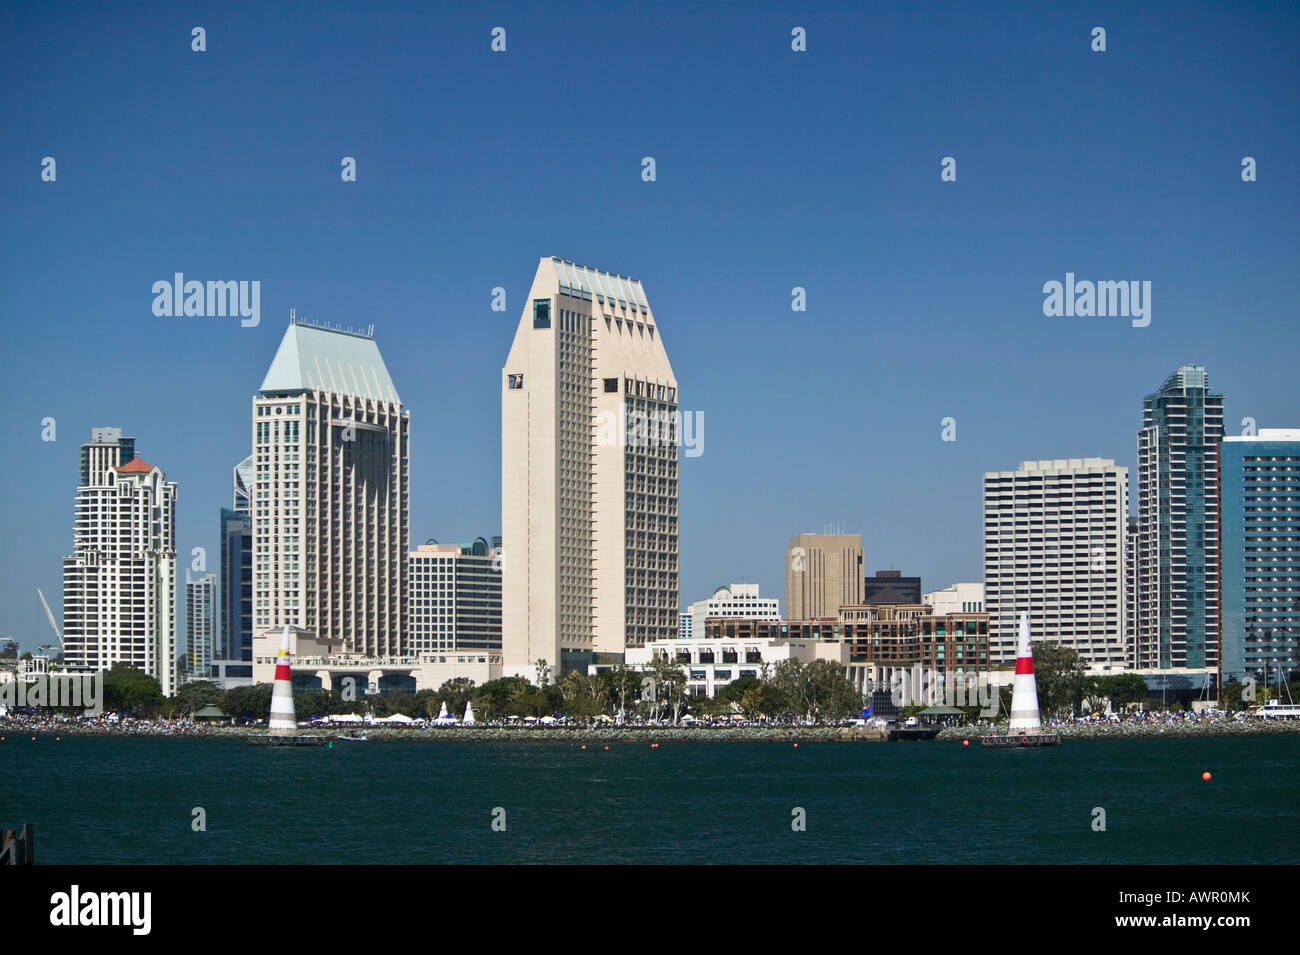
<point>248,702</point>
<point>1058,671</point>
<point>131,691</point>
<point>670,688</point>
<point>578,697</point>
<point>455,693</point>
<point>625,687</point>
<point>492,698</point>
<point>194,696</point>
<point>1120,689</point>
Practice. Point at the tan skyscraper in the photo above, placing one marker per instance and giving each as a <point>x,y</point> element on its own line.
<point>823,572</point>
<point>589,455</point>
<point>329,503</point>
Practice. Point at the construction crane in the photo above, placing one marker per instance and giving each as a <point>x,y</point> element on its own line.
<point>49,613</point>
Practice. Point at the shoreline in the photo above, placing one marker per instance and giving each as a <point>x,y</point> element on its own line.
<point>627,734</point>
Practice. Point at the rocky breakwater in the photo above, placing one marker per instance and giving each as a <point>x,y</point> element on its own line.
<point>1145,730</point>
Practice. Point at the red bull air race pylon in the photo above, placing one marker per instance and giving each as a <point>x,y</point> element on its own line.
<point>1025,728</point>
<point>283,726</point>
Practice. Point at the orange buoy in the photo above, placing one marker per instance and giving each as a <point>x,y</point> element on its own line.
<point>796,745</point>
<point>1206,777</point>
<point>584,745</point>
<point>607,749</point>
<point>965,742</point>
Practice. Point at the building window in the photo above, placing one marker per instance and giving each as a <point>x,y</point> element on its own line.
<point>541,313</point>
<point>611,386</point>
<point>516,382</point>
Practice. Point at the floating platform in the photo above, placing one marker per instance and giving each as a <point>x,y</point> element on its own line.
<point>913,732</point>
<point>286,740</point>
<point>1017,740</point>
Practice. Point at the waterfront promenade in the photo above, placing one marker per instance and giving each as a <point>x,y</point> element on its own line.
<point>18,729</point>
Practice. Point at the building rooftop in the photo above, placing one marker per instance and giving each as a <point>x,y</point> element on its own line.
<point>1268,434</point>
<point>135,466</point>
<point>311,358</point>
<point>579,281</point>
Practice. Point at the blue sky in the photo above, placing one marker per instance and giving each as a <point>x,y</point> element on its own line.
<point>775,169</point>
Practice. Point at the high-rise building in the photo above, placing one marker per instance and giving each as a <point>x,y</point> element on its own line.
<point>1261,555</point>
<point>107,447</point>
<point>737,600</point>
<point>236,603</point>
<point>1130,591</point>
<point>590,431</point>
<point>454,598</point>
<point>890,586</point>
<point>1054,534</point>
<point>823,572</point>
<point>201,624</point>
<point>241,490</point>
<point>330,494</point>
<point>119,585</point>
<point>1178,524</point>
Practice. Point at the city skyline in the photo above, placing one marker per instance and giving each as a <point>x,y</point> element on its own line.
<point>924,297</point>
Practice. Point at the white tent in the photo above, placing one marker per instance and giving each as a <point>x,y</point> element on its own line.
<point>469,714</point>
<point>346,718</point>
<point>442,711</point>
<point>395,718</point>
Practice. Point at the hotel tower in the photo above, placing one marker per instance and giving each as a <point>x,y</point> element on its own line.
<point>589,457</point>
<point>329,501</point>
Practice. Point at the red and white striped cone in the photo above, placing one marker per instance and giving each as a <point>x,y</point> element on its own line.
<point>283,722</point>
<point>1024,691</point>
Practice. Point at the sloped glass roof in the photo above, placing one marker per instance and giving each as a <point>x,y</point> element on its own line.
<point>582,282</point>
<point>325,359</point>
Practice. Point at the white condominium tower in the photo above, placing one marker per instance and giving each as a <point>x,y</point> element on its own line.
<point>330,494</point>
<point>1054,541</point>
<point>119,585</point>
<point>588,502</point>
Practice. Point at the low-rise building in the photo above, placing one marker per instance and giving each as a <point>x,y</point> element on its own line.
<point>317,664</point>
<point>712,664</point>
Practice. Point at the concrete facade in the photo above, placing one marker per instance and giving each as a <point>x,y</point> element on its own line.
<point>454,603</point>
<point>736,600</point>
<point>589,459</point>
<point>330,497</point>
<point>119,585</point>
<point>1054,539</point>
<point>823,572</point>
<point>959,598</point>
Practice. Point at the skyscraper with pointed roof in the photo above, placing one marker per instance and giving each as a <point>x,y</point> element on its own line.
<point>330,493</point>
<point>589,503</point>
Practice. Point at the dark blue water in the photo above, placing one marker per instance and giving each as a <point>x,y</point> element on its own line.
<point>107,800</point>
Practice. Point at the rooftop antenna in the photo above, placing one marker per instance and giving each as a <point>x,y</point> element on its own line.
<point>293,316</point>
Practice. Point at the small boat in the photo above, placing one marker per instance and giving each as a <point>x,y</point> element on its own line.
<point>360,738</point>
<point>1277,710</point>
